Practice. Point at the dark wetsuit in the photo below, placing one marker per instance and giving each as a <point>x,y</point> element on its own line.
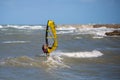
<point>46,50</point>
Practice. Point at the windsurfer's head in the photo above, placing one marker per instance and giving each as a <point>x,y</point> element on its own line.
<point>44,48</point>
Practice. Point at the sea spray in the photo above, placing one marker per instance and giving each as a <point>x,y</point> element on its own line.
<point>54,62</point>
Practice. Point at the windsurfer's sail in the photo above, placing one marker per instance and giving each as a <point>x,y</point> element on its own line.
<point>51,37</point>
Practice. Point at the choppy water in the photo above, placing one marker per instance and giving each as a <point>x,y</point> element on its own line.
<point>83,54</point>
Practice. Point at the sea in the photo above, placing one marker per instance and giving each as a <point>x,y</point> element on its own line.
<point>83,53</point>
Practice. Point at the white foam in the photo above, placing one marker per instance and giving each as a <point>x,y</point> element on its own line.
<point>78,37</point>
<point>54,62</point>
<point>66,28</point>
<point>84,29</point>
<point>94,53</point>
<point>1,26</point>
<point>10,42</point>
<point>31,27</point>
<point>98,37</point>
<point>65,32</point>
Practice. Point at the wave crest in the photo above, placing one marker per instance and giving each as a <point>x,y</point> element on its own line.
<point>11,42</point>
<point>52,62</point>
<point>91,54</point>
<point>22,27</point>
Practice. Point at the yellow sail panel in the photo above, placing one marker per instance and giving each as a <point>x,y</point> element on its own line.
<point>52,29</point>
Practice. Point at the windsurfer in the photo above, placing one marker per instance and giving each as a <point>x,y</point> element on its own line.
<point>45,49</point>
<point>51,42</point>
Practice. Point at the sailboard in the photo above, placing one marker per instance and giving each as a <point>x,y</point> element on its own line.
<point>51,36</point>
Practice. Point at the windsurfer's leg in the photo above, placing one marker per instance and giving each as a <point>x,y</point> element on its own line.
<point>47,56</point>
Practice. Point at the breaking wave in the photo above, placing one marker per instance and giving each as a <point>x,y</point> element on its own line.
<point>98,31</point>
<point>52,62</point>
<point>22,27</point>
<point>66,29</point>
<point>86,54</point>
<point>55,62</point>
<point>95,32</point>
<point>11,42</point>
<point>23,61</point>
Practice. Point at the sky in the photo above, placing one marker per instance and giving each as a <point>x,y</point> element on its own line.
<point>61,11</point>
